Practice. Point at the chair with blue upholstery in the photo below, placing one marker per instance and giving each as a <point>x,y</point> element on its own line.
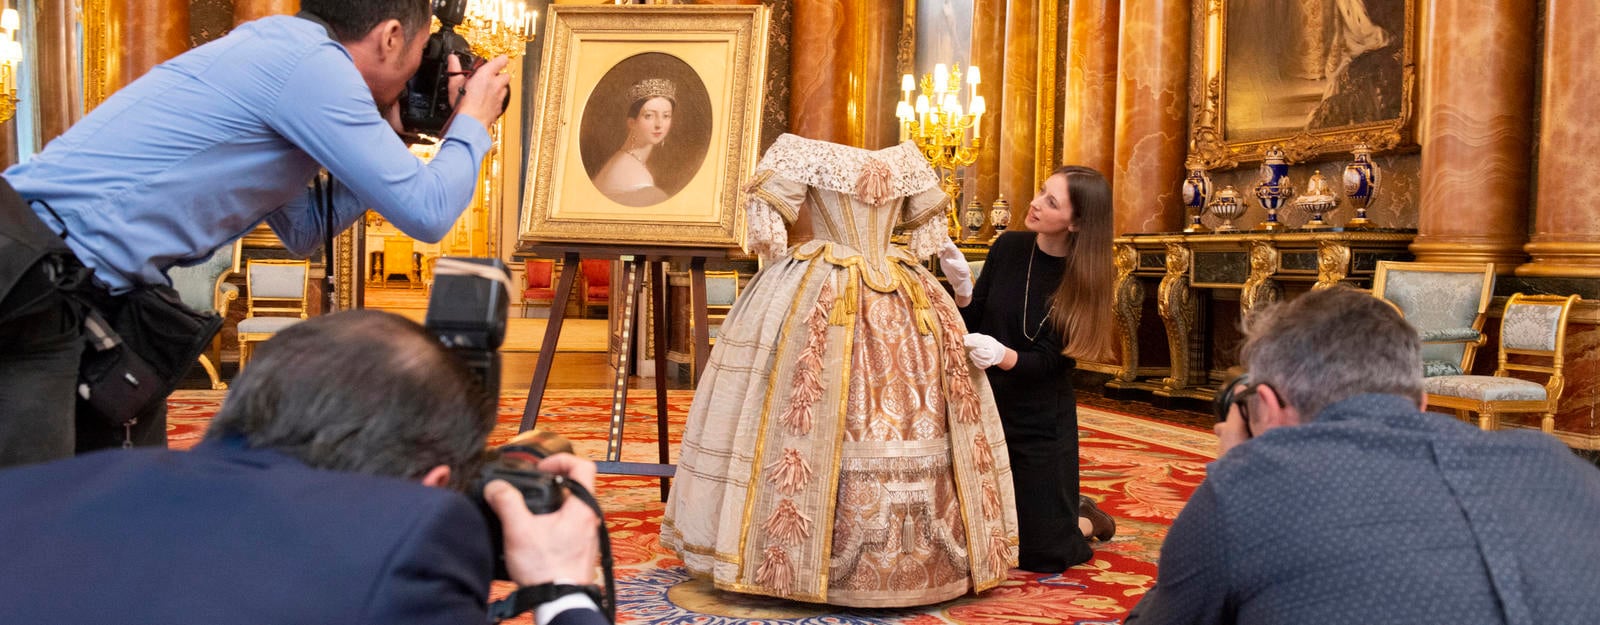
<point>1533,333</point>
<point>275,298</point>
<point>205,287</point>
<point>1446,303</point>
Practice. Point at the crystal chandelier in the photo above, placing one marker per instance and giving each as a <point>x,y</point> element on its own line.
<point>496,27</point>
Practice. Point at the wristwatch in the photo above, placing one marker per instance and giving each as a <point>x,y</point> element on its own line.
<point>528,597</point>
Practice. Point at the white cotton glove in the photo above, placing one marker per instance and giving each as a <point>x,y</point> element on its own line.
<point>983,350</point>
<point>955,268</point>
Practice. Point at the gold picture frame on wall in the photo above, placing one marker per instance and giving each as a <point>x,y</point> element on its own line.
<point>647,123</point>
<point>1315,77</point>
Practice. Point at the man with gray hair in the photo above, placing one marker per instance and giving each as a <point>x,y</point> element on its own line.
<point>1336,499</point>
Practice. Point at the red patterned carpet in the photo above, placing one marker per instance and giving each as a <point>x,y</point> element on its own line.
<point>1140,471</point>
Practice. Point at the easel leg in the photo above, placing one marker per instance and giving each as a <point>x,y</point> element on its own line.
<point>632,284</point>
<point>658,309</point>
<point>702,324</point>
<point>547,349</point>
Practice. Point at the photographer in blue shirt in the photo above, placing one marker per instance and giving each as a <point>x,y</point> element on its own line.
<point>198,152</point>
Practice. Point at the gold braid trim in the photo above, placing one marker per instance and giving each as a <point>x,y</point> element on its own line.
<point>824,251</point>
<point>918,293</point>
<point>938,208</point>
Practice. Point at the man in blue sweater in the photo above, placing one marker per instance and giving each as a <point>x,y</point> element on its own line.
<point>1351,505</point>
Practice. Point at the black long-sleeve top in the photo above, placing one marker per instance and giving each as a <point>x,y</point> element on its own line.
<point>997,310</point>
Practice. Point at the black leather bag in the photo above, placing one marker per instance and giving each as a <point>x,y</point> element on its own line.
<point>141,354</point>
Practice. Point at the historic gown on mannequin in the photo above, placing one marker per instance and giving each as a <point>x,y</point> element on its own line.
<point>840,449</point>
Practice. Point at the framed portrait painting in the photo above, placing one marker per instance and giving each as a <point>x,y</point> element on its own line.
<point>647,122</point>
<point>1313,76</point>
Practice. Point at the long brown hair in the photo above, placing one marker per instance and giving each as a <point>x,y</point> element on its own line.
<point>1082,311</point>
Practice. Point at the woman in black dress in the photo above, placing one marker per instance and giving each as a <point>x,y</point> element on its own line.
<point>1042,299</point>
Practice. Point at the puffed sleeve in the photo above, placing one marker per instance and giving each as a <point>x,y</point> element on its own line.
<point>923,214</point>
<point>773,202</point>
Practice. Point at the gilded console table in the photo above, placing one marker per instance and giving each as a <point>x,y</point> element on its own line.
<point>1193,273</point>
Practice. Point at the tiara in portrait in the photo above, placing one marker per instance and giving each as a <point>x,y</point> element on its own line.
<point>653,88</point>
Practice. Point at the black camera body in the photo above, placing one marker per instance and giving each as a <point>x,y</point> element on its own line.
<point>543,492</point>
<point>467,313</point>
<point>425,107</point>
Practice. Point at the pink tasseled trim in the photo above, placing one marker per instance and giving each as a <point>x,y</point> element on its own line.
<point>789,473</point>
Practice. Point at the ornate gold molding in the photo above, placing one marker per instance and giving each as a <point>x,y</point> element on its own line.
<point>1210,148</point>
<point>1046,121</point>
<point>1128,303</point>
<point>1177,307</point>
<point>345,267</point>
<point>1570,259</point>
<point>99,45</point>
<point>905,54</point>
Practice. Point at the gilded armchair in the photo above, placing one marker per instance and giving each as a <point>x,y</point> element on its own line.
<point>1446,303</point>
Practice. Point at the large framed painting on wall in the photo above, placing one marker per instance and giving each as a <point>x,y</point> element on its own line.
<point>1314,76</point>
<point>647,122</point>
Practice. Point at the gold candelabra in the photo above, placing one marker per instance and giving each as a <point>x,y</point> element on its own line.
<point>498,27</point>
<point>949,135</point>
<point>10,61</point>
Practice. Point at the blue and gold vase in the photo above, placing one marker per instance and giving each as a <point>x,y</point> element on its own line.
<point>1274,187</point>
<point>1196,194</point>
<point>1360,184</point>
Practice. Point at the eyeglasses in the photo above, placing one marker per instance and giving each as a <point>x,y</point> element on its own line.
<point>1236,392</point>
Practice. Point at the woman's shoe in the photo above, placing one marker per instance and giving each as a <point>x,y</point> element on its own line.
<point>1105,525</point>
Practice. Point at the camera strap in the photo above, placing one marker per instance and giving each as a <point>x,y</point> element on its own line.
<point>322,198</point>
<point>528,597</point>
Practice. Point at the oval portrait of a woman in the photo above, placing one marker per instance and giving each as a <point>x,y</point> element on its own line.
<point>645,129</point>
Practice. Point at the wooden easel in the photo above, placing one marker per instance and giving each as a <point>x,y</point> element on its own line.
<point>635,259</point>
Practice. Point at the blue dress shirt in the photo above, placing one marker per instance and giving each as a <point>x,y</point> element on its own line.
<point>207,145</point>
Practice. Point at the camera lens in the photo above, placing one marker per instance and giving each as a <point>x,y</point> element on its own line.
<point>1224,398</point>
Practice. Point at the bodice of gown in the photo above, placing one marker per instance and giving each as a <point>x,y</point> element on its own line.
<point>856,198</point>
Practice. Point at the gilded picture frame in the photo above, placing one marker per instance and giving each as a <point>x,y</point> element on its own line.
<point>647,123</point>
<point>1316,77</point>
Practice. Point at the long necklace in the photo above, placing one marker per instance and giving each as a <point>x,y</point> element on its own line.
<point>1027,286</point>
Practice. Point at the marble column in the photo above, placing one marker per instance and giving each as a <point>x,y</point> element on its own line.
<point>1089,106</point>
<point>60,97</point>
<point>1152,116</point>
<point>246,10</point>
<point>1019,118</point>
<point>147,33</point>
<point>989,54</point>
<point>819,101</point>
<point>875,83</point>
<point>1477,97</point>
<point>1566,227</point>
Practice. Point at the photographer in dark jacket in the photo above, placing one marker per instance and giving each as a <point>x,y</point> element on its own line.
<point>198,152</point>
<point>307,502</point>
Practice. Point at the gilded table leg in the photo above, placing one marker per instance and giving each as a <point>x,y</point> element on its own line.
<point>1128,300</point>
<point>1177,308</point>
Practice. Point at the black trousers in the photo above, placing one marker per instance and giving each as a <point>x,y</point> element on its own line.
<point>40,345</point>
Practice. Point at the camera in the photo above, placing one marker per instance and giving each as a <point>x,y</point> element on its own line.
<point>516,462</point>
<point>425,107</point>
<point>467,314</point>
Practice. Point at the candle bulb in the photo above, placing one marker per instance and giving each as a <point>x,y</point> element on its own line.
<point>978,109</point>
<point>941,79</point>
